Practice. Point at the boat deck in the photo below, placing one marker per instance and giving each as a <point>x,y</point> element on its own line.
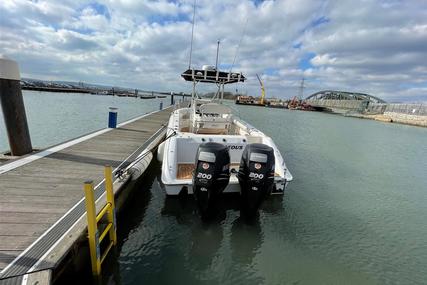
<point>41,194</point>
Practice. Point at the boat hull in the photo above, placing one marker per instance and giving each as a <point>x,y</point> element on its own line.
<point>232,187</point>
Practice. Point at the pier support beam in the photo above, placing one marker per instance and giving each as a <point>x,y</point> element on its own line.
<point>13,108</point>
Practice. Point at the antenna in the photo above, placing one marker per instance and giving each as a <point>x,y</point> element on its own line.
<point>217,53</point>
<point>238,46</point>
<point>192,33</point>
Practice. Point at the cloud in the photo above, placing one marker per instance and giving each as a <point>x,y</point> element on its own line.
<point>377,47</point>
<point>374,47</point>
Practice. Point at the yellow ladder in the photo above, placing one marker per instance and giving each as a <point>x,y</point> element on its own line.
<point>93,219</point>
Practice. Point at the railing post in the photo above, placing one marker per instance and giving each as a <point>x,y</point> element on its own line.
<point>92,228</point>
<point>108,172</point>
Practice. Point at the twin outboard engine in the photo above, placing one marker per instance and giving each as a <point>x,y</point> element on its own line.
<point>210,176</point>
<point>256,176</point>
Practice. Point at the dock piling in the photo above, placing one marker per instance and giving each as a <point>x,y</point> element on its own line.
<point>13,108</point>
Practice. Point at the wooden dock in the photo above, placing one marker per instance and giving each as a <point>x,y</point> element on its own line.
<point>37,191</point>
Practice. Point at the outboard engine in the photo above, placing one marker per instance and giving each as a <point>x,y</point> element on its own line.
<point>256,176</point>
<point>210,176</point>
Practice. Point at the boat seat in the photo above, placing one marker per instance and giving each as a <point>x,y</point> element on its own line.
<point>212,131</point>
<point>214,108</point>
<point>212,125</point>
<point>252,139</point>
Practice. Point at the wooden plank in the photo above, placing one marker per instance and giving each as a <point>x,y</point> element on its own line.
<point>35,199</point>
<point>6,257</point>
<point>34,208</point>
<point>20,217</point>
<point>57,171</point>
<point>46,179</point>
<point>17,229</point>
<point>31,188</point>
<point>13,243</point>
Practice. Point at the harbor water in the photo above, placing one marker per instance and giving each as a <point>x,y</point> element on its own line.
<point>354,214</point>
<point>56,117</point>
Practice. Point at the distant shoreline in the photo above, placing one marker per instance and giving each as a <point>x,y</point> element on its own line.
<point>92,91</point>
<point>57,89</point>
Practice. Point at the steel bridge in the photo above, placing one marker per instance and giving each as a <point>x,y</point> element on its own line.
<point>342,100</point>
<point>343,95</point>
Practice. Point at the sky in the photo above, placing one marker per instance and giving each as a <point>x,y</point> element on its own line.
<point>377,47</point>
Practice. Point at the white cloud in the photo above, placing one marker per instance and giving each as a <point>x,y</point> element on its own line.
<point>378,47</point>
<point>323,59</point>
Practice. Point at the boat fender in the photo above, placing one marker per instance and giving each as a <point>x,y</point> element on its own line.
<point>137,168</point>
<point>160,151</point>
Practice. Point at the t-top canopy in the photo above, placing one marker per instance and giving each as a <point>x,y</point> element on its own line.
<point>212,76</point>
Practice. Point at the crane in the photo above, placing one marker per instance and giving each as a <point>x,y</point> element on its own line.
<point>262,90</point>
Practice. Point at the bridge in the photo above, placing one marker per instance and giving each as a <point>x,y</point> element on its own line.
<point>342,100</point>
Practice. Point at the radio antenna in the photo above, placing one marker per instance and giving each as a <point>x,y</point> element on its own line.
<point>217,53</point>
<point>192,33</point>
<point>238,46</point>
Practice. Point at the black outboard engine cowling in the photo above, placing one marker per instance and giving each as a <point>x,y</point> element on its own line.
<point>211,176</point>
<point>256,176</point>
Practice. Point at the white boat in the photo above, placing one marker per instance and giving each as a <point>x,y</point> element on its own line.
<point>210,151</point>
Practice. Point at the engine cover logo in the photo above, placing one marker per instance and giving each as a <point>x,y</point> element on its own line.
<point>237,147</point>
<point>204,176</point>
<point>257,165</point>
<point>205,165</point>
<point>256,175</point>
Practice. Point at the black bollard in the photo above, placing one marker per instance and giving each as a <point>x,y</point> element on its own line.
<point>172,101</point>
<point>13,108</point>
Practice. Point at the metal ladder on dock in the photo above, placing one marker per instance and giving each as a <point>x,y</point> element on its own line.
<point>94,219</point>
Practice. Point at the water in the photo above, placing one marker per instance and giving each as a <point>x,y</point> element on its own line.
<point>354,214</point>
<point>57,117</point>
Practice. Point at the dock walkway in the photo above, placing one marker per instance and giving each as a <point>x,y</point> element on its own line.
<point>42,194</point>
